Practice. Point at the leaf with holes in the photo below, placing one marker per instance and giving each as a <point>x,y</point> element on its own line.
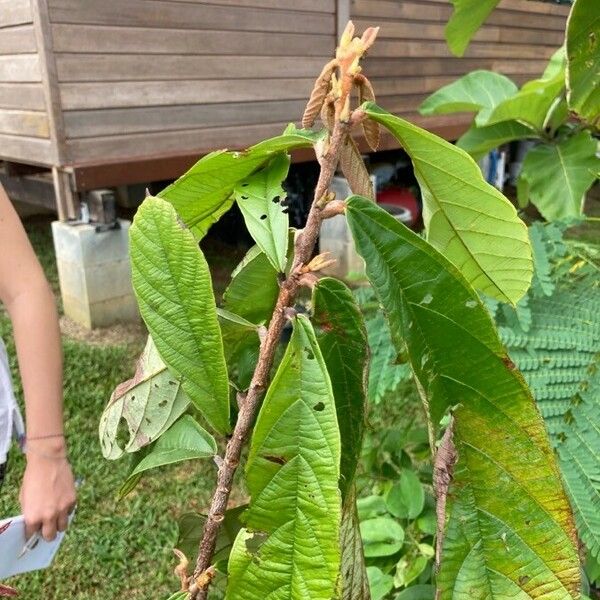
<point>555,177</point>
<point>479,91</point>
<point>174,291</point>
<point>260,198</point>
<point>291,544</point>
<point>203,194</point>
<point>149,403</point>
<point>343,341</point>
<point>467,219</point>
<point>509,529</point>
<point>583,60</point>
<point>467,18</point>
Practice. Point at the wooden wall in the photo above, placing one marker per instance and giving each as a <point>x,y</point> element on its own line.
<point>151,77</point>
<point>24,122</point>
<point>411,59</point>
<point>105,82</point>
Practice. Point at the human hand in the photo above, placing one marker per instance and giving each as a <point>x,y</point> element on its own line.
<point>48,491</point>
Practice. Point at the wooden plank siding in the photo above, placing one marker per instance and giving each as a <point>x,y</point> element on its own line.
<point>24,124</point>
<point>147,77</point>
<point>411,58</point>
<point>101,82</point>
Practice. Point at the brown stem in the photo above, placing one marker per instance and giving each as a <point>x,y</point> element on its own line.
<point>287,294</point>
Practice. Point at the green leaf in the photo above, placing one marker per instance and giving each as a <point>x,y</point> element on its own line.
<point>149,403</point>
<point>406,499</point>
<point>467,219</point>
<point>185,440</point>
<point>381,536</point>
<point>555,177</point>
<point>355,583</point>
<point>408,569</point>
<point>174,291</point>
<point>417,592</point>
<point>252,293</point>
<point>204,193</point>
<point>467,18</point>
<point>583,60</point>
<point>343,341</point>
<point>509,528</point>
<point>479,91</point>
<point>241,345</point>
<point>292,475</point>
<point>478,141</point>
<point>371,506</point>
<point>179,596</point>
<point>380,583</point>
<point>532,104</point>
<point>260,198</point>
<point>191,527</point>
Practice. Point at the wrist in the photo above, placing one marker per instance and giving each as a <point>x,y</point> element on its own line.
<point>55,447</point>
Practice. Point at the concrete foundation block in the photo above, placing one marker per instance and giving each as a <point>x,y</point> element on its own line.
<point>95,274</point>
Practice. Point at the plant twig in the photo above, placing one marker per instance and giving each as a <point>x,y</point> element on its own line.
<point>348,55</point>
<point>287,295</point>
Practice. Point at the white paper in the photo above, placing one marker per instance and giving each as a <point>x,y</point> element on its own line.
<point>12,540</point>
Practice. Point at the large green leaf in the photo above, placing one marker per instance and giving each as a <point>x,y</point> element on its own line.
<point>260,198</point>
<point>509,530</point>
<point>535,100</point>
<point>467,18</point>
<point>254,288</point>
<point>556,176</point>
<point>343,341</point>
<point>583,59</point>
<point>149,403</point>
<point>479,91</point>
<point>467,219</point>
<point>478,141</point>
<point>204,193</point>
<point>174,291</point>
<point>290,548</point>
<point>185,440</point>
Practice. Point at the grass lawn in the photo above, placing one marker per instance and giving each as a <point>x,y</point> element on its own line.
<point>112,550</point>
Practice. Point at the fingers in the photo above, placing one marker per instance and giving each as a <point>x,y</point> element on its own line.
<point>49,528</point>
<point>31,526</point>
<point>63,521</point>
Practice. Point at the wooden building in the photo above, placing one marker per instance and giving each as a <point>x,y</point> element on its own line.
<point>111,92</point>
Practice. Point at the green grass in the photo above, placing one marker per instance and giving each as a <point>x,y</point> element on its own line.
<point>112,550</point>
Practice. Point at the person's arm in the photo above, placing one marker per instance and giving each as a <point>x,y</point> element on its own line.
<point>47,492</point>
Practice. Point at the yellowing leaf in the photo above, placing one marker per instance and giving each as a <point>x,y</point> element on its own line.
<point>509,529</point>
<point>467,219</point>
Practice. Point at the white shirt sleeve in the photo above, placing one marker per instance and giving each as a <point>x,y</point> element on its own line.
<point>11,421</point>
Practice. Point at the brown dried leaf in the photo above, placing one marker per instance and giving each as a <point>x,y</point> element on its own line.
<point>7,591</point>
<point>354,170</point>
<point>443,468</point>
<point>318,95</point>
<point>370,128</point>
